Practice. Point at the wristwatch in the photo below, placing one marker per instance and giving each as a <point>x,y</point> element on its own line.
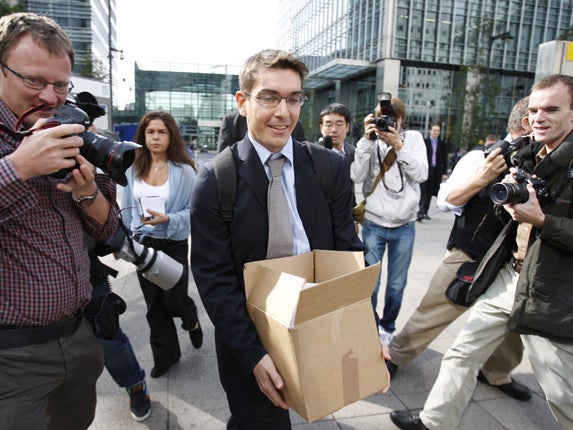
<point>86,201</point>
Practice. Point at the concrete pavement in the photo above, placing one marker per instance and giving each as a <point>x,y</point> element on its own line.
<point>190,395</point>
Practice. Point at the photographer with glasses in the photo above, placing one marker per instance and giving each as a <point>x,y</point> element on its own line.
<point>50,358</point>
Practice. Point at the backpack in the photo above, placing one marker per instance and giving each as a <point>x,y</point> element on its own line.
<point>226,175</point>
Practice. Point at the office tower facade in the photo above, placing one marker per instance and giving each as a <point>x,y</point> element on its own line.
<point>463,63</point>
<point>91,26</point>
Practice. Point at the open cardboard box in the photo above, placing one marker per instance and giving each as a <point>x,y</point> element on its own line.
<point>314,316</point>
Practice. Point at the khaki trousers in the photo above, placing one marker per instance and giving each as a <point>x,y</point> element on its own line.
<point>552,362</point>
<point>435,312</point>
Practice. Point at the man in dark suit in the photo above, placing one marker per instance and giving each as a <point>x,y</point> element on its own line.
<point>234,127</point>
<point>270,98</point>
<point>437,150</point>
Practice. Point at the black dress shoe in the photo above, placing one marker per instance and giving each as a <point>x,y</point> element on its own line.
<point>426,216</point>
<point>512,389</point>
<point>196,336</point>
<point>406,420</point>
<point>392,368</point>
<point>159,371</point>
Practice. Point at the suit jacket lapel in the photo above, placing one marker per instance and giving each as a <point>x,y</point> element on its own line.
<point>252,171</point>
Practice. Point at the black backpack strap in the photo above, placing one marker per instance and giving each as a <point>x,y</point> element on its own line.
<point>321,163</point>
<point>226,175</point>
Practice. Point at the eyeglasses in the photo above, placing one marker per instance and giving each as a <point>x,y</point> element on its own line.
<point>338,124</point>
<point>273,100</point>
<point>36,83</point>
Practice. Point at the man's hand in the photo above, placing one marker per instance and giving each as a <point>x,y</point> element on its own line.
<point>493,166</point>
<point>369,127</point>
<point>530,211</point>
<point>82,182</point>
<point>269,380</point>
<point>47,151</point>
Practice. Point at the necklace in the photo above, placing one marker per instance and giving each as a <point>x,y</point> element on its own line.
<point>155,169</point>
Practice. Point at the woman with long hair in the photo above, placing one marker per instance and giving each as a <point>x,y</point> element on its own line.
<point>156,205</point>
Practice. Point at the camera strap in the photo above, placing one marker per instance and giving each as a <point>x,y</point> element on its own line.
<point>17,131</point>
<point>385,165</point>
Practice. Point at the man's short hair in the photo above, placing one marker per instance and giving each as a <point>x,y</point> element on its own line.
<point>269,59</point>
<point>520,110</point>
<point>337,108</point>
<point>44,31</point>
<point>549,81</point>
<point>491,138</point>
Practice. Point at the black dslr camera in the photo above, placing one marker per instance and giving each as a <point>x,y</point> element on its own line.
<point>503,193</point>
<point>385,120</point>
<point>508,149</point>
<point>114,158</point>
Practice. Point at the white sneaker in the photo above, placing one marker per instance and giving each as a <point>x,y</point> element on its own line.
<point>385,336</point>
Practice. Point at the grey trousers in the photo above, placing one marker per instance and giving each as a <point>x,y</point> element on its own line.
<point>51,385</point>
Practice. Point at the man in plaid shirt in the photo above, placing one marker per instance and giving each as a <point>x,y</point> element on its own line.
<point>49,357</point>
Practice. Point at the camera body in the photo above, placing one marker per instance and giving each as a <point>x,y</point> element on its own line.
<point>503,193</point>
<point>385,120</point>
<point>508,149</point>
<point>156,266</point>
<point>382,122</point>
<point>114,158</point>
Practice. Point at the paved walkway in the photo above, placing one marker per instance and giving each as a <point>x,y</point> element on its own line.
<point>190,396</point>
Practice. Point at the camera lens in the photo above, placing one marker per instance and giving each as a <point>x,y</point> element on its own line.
<point>112,157</point>
<point>502,193</point>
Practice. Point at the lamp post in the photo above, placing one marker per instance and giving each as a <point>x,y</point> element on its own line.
<point>111,50</point>
<point>506,37</point>
<point>110,58</point>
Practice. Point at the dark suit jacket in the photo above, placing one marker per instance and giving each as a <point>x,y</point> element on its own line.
<point>435,175</point>
<point>234,127</point>
<point>348,153</point>
<point>219,250</point>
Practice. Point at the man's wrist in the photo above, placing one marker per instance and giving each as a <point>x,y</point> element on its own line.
<point>86,201</point>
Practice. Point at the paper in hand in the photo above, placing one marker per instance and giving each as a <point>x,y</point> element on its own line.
<point>155,203</point>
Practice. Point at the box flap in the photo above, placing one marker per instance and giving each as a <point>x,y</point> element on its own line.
<point>332,264</point>
<point>273,292</point>
<point>299,265</point>
<point>336,293</point>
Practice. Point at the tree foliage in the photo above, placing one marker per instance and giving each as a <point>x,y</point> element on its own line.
<point>6,8</point>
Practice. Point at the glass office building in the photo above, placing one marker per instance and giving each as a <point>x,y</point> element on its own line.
<point>435,55</point>
<point>91,26</point>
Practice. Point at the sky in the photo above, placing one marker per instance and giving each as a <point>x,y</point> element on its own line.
<point>190,31</point>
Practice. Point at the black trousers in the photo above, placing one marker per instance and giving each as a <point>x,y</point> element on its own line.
<point>428,189</point>
<point>164,305</point>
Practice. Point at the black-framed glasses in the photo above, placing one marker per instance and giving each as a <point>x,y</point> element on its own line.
<point>273,100</point>
<point>39,84</point>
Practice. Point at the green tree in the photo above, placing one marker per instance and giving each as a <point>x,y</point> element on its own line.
<point>6,8</point>
<point>567,35</point>
<point>91,67</point>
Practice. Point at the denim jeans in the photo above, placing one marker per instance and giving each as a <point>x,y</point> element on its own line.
<point>119,358</point>
<point>400,243</point>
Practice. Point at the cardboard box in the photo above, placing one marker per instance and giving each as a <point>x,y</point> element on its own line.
<point>322,336</point>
